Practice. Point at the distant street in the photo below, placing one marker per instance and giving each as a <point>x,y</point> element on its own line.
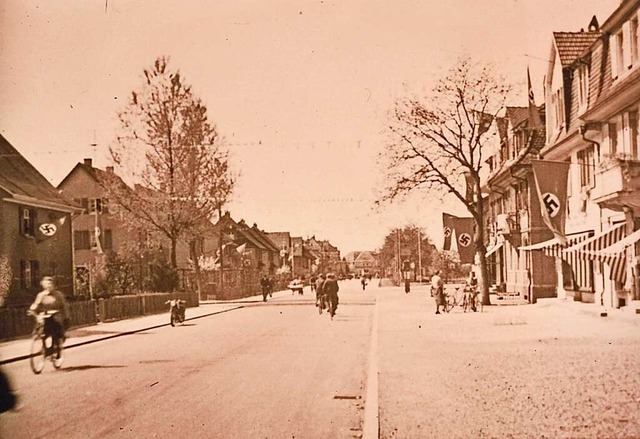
<point>279,370</point>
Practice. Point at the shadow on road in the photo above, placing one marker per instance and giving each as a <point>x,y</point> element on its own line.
<point>89,367</point>
<point>185,324</point>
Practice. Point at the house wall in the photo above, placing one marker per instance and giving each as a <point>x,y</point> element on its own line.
<point>54,255</point>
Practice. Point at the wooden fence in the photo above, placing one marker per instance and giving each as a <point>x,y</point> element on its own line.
<point>14,322</point>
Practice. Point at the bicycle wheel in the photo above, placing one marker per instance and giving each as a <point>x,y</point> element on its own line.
<point>57,360</point>
<point>37,354</point>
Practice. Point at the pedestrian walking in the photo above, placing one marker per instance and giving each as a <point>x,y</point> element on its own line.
<point>264,284</point>
<point>437,289</point>
<point>363,281</point>
<point>320,299</point>
<point>407,286</point>
<point>312,282</point>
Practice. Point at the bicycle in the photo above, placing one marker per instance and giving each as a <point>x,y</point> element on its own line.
<point>452,300</point>
<point>42,346</point>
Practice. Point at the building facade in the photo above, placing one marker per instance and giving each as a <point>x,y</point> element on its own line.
<point>35,228</point>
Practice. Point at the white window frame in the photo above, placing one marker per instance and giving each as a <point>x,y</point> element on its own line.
<point>583,87</point>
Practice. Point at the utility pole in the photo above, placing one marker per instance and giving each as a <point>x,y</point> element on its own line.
<point>419,255</point>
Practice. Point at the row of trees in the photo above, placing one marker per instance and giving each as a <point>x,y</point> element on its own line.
<point>404,241</point>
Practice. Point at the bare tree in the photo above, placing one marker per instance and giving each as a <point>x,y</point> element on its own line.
<point>439,143</point>
<point>175,157</point>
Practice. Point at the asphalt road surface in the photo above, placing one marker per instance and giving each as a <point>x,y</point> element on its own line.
<point>274,371</point>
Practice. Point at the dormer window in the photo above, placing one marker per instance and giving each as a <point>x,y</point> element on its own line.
<point>624,48</point>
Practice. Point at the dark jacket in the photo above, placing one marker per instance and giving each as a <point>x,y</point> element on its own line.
<point>331,288</point>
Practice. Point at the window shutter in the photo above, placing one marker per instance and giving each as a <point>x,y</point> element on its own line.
<point>34,222</point>
<point>23,281</point>
<point>626,42</point>
<point>613,55</point>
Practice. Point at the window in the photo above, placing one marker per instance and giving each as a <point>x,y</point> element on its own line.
<point>108,240</point>
<point>587,164</point>
<point>27,221</point>
<point>634,40</point>
<point>617,53</point>
<point>613,138</point>
<point>558,103</point>
<point>633,133</point>
<point>95,205</point>
<point>583,86</point>
<point>81,240</point>
<point>29,274</point>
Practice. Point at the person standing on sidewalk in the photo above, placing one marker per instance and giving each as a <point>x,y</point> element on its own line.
<point>437,288</point>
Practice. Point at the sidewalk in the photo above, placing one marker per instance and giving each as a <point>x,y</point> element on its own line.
<point>509,371</point>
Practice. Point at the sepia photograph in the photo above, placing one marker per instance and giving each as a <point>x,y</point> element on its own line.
<point>301,219</point>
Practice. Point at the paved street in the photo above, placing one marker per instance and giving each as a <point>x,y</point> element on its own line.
<point>279,370</point>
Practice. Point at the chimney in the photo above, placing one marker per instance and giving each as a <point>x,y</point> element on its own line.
<point>109,169</point>
<point>88,162</point>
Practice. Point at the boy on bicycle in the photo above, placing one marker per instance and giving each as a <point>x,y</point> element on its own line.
<point>50,299</point>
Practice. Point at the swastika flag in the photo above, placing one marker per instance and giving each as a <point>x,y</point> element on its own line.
<point>448,224</point>
<point>551,184</point>
<point>49,229</point>
<point>464,239</point>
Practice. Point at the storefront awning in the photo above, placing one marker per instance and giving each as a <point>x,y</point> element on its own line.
<point>494,248</point>
<point>614,255</point>
<point>598,242</point>
<point>553,247</point>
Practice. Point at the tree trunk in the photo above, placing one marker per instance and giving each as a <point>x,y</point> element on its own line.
<point>174,258</point>
<point>481,250</point>
<point>194,257</point>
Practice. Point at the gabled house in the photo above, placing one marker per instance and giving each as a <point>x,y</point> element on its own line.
<point>362,262</point>
<point>35,228</point>
<point>512,212</point>
<point>97,229</point>
<point>592,94</point>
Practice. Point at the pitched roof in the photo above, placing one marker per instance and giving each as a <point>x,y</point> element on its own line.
<point>571,45</point>
<point>517,115</point>
<point>280,239</point>
<point>23,182</point>
<point>268,243</point>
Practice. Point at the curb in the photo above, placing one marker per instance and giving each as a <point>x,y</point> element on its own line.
<point>371,427</point>
<point>121,334</point>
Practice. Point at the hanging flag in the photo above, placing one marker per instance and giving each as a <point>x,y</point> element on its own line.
<point>49,229</point>
<point>241,248</point>
<point>469,187</point>
<point>551,184</point>
<point>483,122</point>
<point>534,117</point>
<point>464,239</point>
<point>447,224</point>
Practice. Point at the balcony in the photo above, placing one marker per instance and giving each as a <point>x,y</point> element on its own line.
<point>617,183</point>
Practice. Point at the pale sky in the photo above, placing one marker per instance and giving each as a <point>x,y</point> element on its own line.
<point>300,89</point>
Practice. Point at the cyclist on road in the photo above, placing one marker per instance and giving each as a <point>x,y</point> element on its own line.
<point>50,299</point>
<point>330,289</point>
